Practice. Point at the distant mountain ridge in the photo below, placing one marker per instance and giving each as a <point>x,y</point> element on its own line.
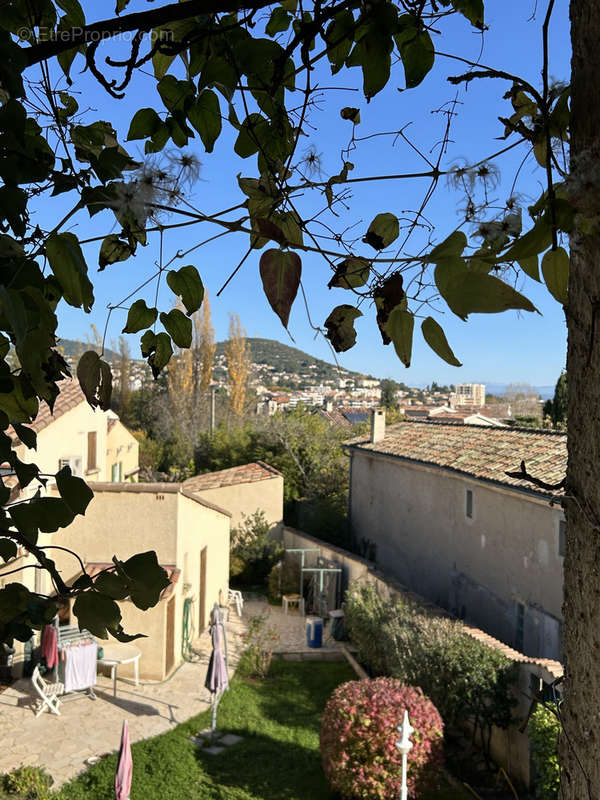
<point>272,353</point>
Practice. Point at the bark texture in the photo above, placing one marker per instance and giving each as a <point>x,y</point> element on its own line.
<point>580,745</point>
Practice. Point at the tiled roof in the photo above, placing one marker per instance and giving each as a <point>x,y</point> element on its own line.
<point>246,473</point>
<point>173,574</point>
<point>69,397</point>
<point>482,452</point>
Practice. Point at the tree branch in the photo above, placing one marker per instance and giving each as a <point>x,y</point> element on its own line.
<point>523,475</point>
<point>139,21</point>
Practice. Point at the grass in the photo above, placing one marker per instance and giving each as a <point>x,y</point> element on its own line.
<point>279,759</point>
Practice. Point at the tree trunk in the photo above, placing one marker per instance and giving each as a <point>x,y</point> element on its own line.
<point>580,744</point>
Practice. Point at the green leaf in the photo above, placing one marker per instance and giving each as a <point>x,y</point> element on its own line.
<point>472,10</point>
<point>14,598</point>
<point>73,490</point>
<point>178,326</point>
<point>187,283</point>
<point>452,246</point>
<point>16,406</point>
<point>416,50</point>
<point>26,435</point>
<point>247,142</point>
<point>97,613</point>
<point>112,585</point>
<point>113,249</point>
<point>95,379</point>
<point>280,271</point>
<point>383,230</point>
<point>351,273</point>
<point>350,113</point>
<point>8,549</point>
<point>140,316</point>
<point>340,36</point>
<point>388,295</point>
<point>468,292</point>
<point>148,579</point>
<point>46,514</point>
<point>436,339</point>
<point>25,472</point>
<point>162,352</point>
<point>535,241</point>
<point>69,267</point>
<point>555,269</point>
<point>145,123</point>
<point>148,343</point>
<point>530,267</point>
<point>399,327</point>
<point>279,21</point>
<point>205,116</point>
<point>340,327</point>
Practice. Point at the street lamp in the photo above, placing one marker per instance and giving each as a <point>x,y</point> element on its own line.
<point>404,746</point>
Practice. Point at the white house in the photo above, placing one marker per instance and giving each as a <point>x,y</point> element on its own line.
<point>451,525</point>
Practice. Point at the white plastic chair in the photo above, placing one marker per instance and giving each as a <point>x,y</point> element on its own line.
<point>235,596</point>
<point>48,693</point>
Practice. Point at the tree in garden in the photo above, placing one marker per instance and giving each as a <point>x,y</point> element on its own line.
<point>250,66</point>
<point>238,365</point>
<point>205,346</point>
<point>556,408</point>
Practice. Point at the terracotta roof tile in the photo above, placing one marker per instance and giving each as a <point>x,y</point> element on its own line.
<point>246,473</point>
<point>69,397</point>
<point>486,453</point>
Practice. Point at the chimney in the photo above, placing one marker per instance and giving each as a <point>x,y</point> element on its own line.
<point>377,425</point>
<point>327,405</point>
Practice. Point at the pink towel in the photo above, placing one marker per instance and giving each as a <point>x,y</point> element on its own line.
<point>50,646</point>
<point>124,766</point>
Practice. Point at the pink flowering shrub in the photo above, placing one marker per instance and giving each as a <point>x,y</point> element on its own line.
<point>359,735</point>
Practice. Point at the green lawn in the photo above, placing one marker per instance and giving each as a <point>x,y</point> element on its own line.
<point>279,758</point>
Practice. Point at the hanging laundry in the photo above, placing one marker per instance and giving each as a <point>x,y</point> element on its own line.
<point>50,646</point>
<point>80,666</point>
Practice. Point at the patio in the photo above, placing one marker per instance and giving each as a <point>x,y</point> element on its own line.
<point>87,727</point>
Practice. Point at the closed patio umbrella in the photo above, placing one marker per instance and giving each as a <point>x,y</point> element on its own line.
<point>217,678</point>
<point>124,766</point>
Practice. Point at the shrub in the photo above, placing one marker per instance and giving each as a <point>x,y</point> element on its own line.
<point>544,729</point>
<point>463,677</point>
<point>253,553</point>
<point>259,640</point>
<point>359,735</point>
<point>26,783</point>
<point>284,578</point>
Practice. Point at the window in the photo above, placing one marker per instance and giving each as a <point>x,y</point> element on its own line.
<point>469,504</point>
<point>520,627</point>
<point>114,473</point>
<point>91,450</point>
<point>562,537</point>
<point>74,462</point>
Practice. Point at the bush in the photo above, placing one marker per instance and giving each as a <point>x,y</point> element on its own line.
<point>253,553</point>
<point>259,640</point>
<point>463,677</point>
<point>544,729</point>
<point>284,578</point>
<point>359,735</point>
<point>26,783</point>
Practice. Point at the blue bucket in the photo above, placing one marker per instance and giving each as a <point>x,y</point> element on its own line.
<point>314,631</point>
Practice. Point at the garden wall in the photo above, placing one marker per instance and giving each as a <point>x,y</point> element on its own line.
<point>509,747</point>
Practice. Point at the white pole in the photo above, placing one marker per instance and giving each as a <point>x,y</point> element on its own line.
<point>404,746</point>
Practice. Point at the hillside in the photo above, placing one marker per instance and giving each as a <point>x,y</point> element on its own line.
<point>72,348</point>
<point>283,358</point>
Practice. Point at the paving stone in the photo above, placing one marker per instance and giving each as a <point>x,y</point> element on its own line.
<point>230,738</point>
<point>214,750</point>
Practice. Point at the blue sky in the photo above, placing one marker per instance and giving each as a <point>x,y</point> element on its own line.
<point>493,348</point>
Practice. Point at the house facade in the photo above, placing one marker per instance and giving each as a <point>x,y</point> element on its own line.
<point>451,525</point>
<point>242,491</point>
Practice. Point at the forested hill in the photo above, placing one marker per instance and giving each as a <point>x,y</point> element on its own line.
<point>289,359</point>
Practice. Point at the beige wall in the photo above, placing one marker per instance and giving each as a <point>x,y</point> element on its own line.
<point>480,568</point>
<point>122,452</point>
<point>246,498</point>
<point>66,437</point>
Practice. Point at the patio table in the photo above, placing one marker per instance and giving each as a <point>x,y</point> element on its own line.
<point>116,654</point>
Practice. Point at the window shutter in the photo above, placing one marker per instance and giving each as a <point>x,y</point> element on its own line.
<point>91,450</point>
